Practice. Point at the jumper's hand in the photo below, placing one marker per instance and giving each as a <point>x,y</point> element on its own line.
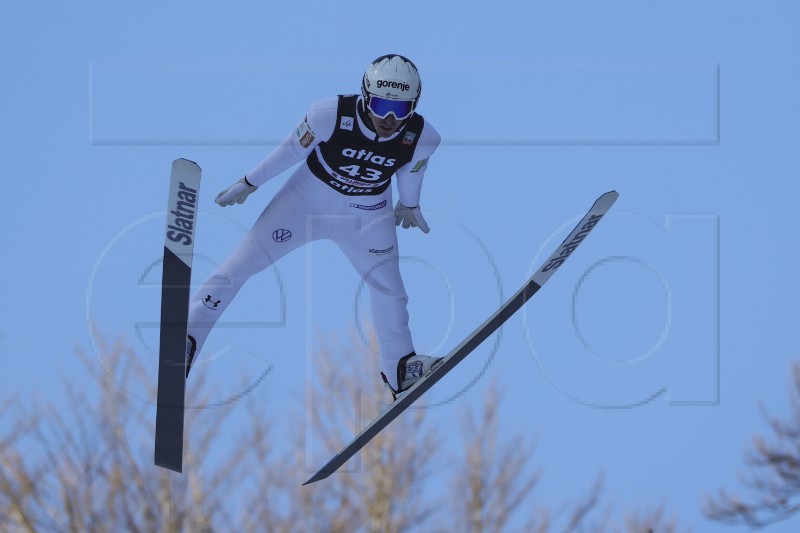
<point>410,217</point>
<point>236,193</point>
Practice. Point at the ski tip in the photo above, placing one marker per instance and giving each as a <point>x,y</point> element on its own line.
<point>606,200</point>
<point>184,161</point>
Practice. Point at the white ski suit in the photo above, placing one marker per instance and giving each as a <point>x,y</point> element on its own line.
<point>341,192</point>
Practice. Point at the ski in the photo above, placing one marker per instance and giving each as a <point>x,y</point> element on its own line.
<point>548,268</point>
<point>176,280</point>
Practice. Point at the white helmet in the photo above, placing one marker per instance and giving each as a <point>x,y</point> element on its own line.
<point>391,84</point>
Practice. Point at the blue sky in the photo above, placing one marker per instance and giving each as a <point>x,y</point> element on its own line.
<point>685,295</point>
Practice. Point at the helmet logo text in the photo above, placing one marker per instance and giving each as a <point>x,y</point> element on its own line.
<point>394,85</point>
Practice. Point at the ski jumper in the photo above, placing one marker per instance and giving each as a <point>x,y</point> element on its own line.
<point>342,193</point>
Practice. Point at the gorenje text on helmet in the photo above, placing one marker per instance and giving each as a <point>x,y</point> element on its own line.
<point>394,85</point>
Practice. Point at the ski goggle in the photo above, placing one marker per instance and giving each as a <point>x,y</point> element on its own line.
<point>382,107</point>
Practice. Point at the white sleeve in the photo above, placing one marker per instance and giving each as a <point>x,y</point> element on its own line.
<point>316,126</point>
<point>409,176</point>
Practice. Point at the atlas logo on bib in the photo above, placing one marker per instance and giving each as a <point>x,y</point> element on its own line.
<point>365,155</point>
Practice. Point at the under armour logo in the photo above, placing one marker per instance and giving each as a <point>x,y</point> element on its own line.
<point>209,302</point>
<point>281,235</point>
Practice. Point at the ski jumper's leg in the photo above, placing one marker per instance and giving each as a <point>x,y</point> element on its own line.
<point>369,241</point>
<point>280,229</point>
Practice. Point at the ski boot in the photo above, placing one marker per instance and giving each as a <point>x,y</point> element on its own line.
<point>411,369</point>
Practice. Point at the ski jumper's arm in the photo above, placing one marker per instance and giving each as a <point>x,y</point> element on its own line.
<point>316,126</point>
<point>409,176</point>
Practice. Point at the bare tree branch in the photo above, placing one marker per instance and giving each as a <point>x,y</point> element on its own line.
<point>370,494</point>
<point>89,468</point>
<point>86,466</point>
<point>774,474</point>
<point>493,485</point>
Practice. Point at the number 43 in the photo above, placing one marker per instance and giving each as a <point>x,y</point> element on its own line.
<point>354,171</point>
